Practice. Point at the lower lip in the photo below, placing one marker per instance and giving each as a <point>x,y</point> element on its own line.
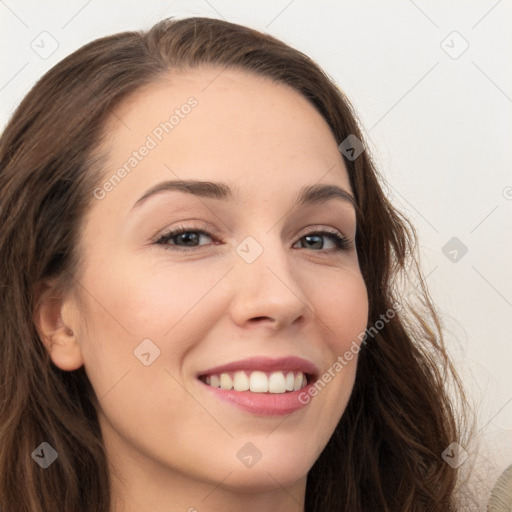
<point>264,404</point>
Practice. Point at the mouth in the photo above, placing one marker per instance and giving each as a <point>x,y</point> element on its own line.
<point>262,386</point>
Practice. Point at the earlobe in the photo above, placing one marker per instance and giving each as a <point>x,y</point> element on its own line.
<point>58,338</point>
<point>64,349</point>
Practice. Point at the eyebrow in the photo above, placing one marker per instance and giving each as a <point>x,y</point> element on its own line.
<point>308,195</point>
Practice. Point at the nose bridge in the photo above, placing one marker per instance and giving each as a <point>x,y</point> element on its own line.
<point>257,256</point>
<point>265,284</point>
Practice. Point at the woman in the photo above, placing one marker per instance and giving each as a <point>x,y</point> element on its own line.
<point>144,370</point>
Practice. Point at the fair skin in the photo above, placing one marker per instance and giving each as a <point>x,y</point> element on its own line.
<point>172,444</point>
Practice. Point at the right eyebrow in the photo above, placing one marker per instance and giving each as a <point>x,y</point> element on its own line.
<point>207,189</point>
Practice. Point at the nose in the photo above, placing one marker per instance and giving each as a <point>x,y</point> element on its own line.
<point>268,291</point>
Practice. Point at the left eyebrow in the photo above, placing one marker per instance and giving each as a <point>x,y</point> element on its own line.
<point>308,195</point>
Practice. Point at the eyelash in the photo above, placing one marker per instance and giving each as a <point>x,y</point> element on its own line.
<point>342,243</point>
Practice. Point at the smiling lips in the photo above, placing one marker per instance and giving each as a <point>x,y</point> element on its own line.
<point>262,385</point>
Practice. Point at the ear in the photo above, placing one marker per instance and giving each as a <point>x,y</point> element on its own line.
<point>54,322</point>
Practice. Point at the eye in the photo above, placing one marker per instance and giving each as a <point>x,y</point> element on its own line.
<point>183,237</point>
<point>315,240</point>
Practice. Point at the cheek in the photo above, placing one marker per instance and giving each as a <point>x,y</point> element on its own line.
<point>341,308</point>
<point>132,312</point>
<point>141,303</point>
<point>156,302</point>
<point>341,304</point>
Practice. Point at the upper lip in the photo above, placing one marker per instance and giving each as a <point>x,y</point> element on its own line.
<point>265,364</point>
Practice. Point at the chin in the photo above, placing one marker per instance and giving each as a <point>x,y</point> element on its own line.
<point>265,477</point>
<point>273,465</point>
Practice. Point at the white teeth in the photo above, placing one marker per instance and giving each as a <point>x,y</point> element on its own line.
<point>226,382</point>
<point>277,382</point>
<point>258,382</point>
<point>240,381</point>
<point>289,381</point>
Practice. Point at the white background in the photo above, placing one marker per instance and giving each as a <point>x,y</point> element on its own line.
<point>439,128</point>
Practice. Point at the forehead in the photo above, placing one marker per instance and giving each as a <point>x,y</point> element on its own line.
<point>222,125</point>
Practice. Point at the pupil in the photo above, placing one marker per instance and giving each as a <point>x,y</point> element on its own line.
<point>318,241</point>
<point>189,238</point>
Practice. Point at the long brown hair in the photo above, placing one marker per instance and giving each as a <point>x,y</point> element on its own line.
<point>385,453</point>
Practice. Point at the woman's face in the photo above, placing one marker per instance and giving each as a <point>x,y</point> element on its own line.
<point>243,298</point>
